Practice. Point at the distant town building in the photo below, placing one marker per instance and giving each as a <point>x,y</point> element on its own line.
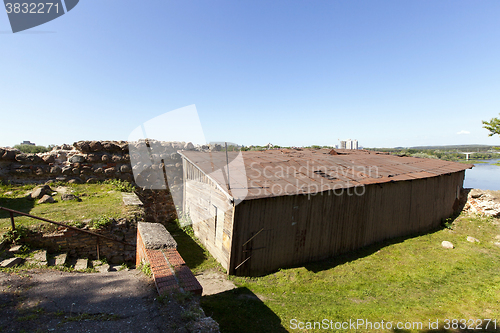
<point>269,145</point>
<point>27,143</point>
<point>349,144</point>
<point>352,144</point>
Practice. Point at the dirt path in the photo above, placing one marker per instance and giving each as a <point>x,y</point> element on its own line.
<point>55,301</point>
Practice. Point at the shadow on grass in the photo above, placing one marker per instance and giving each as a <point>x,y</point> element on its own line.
<point>21,204</point>
<point>240,310</point>
<point>192,253</point>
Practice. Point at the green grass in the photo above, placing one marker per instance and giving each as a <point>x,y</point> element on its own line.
<point>412,279</point>
<point>99,202</point>
<point>146,269</point>
<point>196,256</point>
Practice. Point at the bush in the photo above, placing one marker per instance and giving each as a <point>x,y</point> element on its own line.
<point>424,155</point>
<point>120,185</point>
<point>103,222</point>
<point>30,149</point>
<point>14,236</point>
<point>146,269</point>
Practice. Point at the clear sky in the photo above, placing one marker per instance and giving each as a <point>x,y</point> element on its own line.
<point>388,73</point>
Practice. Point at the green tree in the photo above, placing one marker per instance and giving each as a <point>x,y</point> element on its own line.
<point>493,126</point>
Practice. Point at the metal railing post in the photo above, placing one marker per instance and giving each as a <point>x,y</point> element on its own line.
<point>97,243</point>
<point>12,221</point>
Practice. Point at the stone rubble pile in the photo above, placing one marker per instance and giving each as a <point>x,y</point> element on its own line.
<point>482,202</point>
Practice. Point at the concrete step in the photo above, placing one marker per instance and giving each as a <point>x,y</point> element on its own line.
<point>39,258</point>
<point>81,264</point>
<point>131,199</point>
<point>40,255</point>
<point>100,266</point>
<point>103,268</point>
<point>11,262</point>
<point>15,249</point>
<point>60,259</point>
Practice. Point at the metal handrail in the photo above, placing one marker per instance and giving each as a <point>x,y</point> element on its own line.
<point>12,212</point>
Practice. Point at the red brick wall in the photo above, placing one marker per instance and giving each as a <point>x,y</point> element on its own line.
<point>170,272</point>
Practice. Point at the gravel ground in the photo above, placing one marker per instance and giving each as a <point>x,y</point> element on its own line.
<point>45,300</point>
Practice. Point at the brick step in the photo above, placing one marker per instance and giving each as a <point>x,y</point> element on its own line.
<point>157,247</point>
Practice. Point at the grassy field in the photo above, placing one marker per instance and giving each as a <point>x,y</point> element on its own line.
<point>408,280</point>
<point>98,200</point>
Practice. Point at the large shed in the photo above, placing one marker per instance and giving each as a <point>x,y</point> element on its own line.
<point>257,211</point>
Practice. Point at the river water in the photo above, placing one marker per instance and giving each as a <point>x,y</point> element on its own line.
<point>484,176</point>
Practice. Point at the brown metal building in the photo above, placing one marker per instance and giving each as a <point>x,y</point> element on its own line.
<point>280,208</point>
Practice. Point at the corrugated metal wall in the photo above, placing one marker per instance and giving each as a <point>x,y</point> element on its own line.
<point>291,230</point>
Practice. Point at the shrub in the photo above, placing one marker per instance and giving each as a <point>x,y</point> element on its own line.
<point>29,149</point>
<point>77,224</point>
<point>120,185</point>
<point>146,269</point>
<point>103,222</point>
<point>423,155</point>
<point>14,236</point>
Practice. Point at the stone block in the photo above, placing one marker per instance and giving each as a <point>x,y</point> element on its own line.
<point>103,268</point>
<point>131,199</point>
<point>155,236</point>
<point>40,255</point>
<point>81,264</point>
<point>61,259</point>
<point>11,262</point>
<point>15,249</point>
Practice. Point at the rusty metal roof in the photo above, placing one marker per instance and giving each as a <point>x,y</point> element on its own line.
<point>277,172</point>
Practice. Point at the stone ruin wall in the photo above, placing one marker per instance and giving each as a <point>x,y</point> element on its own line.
<point>90,162</point>
<point>93,161</point>
<point>82,245</point>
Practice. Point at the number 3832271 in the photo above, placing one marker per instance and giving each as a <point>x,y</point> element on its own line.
<point>31,8</point>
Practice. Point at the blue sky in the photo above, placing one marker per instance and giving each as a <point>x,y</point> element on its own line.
<point>388,73</point>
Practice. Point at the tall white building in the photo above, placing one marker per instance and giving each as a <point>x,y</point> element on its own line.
<point>351,144</point>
